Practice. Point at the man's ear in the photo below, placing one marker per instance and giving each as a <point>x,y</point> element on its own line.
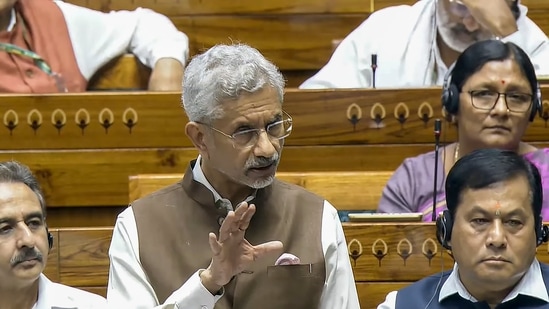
<point>197,136</point>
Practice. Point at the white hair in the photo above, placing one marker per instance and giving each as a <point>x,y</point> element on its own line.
<point>223,73</point>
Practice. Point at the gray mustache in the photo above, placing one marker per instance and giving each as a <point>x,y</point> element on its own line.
<point>261,161</point>
<point>26,255</point>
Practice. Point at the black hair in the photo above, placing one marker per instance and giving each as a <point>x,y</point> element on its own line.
<point>486,167</point>
<point>15,172</point>
<point>477,55</point>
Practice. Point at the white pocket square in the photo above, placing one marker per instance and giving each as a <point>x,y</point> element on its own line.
<point>287,259</point>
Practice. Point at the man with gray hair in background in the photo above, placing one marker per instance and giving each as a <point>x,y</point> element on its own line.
<point>229,234</point>
<point>24,246</point>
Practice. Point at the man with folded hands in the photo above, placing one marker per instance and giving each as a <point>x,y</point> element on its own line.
<point>24,246</point>
<point>216,238</point>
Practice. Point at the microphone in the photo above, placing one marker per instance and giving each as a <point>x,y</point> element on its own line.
<point>437,142</point>
<point>374,67</point>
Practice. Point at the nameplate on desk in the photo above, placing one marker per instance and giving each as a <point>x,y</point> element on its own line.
<point>386,217</point>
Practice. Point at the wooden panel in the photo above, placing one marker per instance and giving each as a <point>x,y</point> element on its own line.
<point>333,186</point>
<point>127,73</point>
<point>222,7</point>
<point>97,178</point>
<point>371,294</point>
<point>91,108</point>
<point>294,78</point>
<point>402,252</point>
<point>83,256</point>
<point>291,42</point>
<point>100,178</point>
<point>535,4</point>
<point>329,117</point>
<point>83,216</point>
<point>381,4</point>
<point>84,261</point>
<point>541,17</point>
<point>123,73</point>
<point>52,266</point>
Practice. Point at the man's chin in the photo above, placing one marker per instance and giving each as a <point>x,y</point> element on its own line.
<point>28,274</point>
<point>262,183</point>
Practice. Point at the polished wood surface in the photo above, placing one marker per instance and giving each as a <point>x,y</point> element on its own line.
<point>80,258</point>
<point>384,257</point>
<point>344,190</point>
<point>145,120</point>
<point>83,147</point>
<point>123,73</point>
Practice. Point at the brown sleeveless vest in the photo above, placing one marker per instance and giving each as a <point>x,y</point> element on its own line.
<point>173,226</point>
<point>44,27</point>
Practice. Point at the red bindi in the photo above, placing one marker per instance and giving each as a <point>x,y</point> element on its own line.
<point>503,82</point>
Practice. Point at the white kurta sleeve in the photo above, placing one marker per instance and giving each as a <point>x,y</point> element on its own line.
<point>339,288</point>
<point>128,286</point>
<point>99,37</point>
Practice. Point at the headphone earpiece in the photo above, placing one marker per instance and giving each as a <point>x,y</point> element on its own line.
<point>450,94</point>
<point>542,232</point>
<point>50,238</point>
<point>444,226</point>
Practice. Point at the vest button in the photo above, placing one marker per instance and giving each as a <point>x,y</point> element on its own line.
<point>29,73</point>
<point>220,220</point>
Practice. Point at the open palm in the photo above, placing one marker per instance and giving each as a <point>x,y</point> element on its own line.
<point>232,253</point>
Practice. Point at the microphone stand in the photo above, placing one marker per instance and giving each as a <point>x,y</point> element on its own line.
<point>374,67</point>
<point>437,142</point>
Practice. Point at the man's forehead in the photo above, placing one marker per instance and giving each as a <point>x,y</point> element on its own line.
<point>498,197</point>
<point>17,199</point>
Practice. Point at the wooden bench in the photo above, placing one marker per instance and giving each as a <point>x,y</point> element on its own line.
<point>123,73</point>
<point>344,190</point>
<point>384,257</point>
<point>83,147</point>
<point>296,35</point>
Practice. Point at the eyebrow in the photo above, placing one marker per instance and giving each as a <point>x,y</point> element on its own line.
<point>514,212</point>
<point>32,215</point>
<point>273,119</point>
<point>512,86</point>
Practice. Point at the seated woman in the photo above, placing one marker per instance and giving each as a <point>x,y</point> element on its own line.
<point>491,96</point>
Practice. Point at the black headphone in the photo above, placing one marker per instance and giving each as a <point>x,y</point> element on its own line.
<point>445,223</point>
<point>50,238</point>
<point>450,96</point>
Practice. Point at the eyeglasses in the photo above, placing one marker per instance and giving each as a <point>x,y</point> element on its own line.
<point>515,101</point>
<point>458,8</point>
<point>247,138</point>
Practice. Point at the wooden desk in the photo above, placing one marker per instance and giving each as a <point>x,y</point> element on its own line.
<point>83,147</point>
<point>384,257</point>
<point>344,190</point>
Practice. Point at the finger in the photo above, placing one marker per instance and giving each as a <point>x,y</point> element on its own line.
<point>246,218</point>
<point>227,226</point>
<point>271,247</point>
<point>241,209</point>
<point>214,244</point>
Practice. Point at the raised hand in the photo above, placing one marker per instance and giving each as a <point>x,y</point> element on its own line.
<point>232,253</point>
<point>494,15</point>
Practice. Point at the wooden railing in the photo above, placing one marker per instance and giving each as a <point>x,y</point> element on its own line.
<point>83,147</point>
<point>344,190</point>
<point>384,257</point>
